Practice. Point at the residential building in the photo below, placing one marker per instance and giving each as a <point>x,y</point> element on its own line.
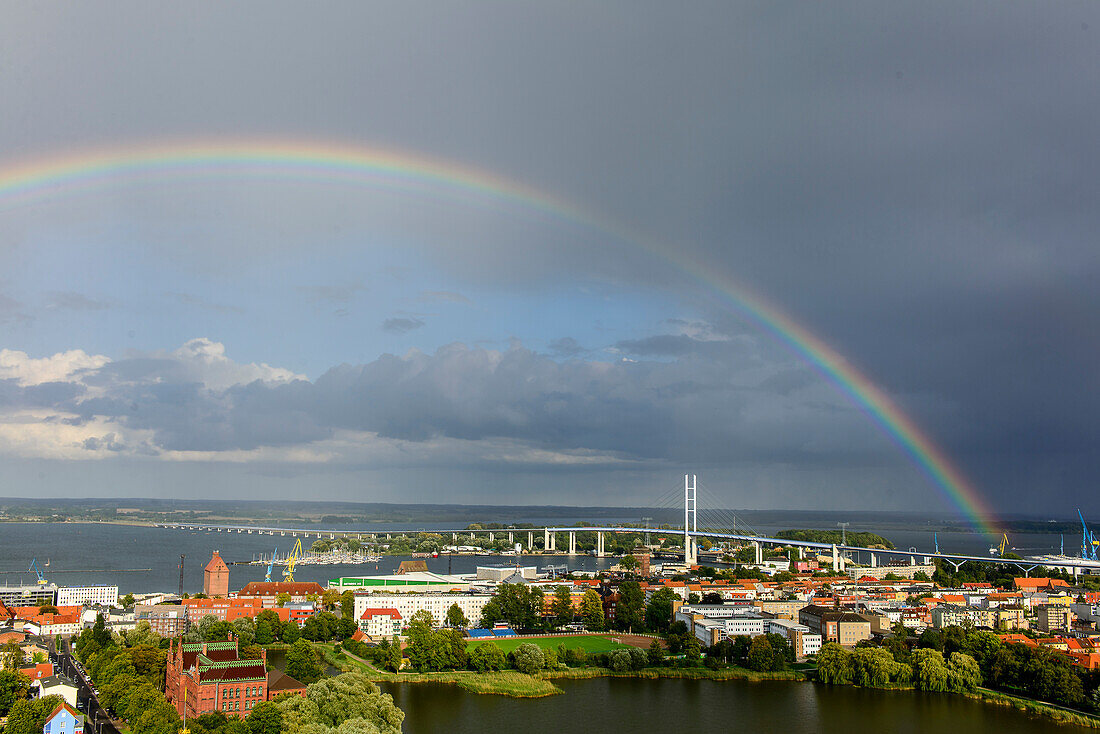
<point>1011,617</point>
<point>1054,618</point>
<point>87,596</point>
<point>409,603</point>
<point>215,577</point>
<point>56,685</point>
<point>780,609</point>
<point>268,591</point>
<point>844,628</point>
<point>167,620</point>
<point>380,622</point>
<point>802,640</point>
<point>37,671</point>
<point>51,625</point>
<point>906,571</point>
<point>64,720</point>
<point>227,610</point>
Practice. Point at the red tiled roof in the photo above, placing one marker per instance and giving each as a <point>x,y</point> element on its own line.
<point>234,672</point>
<point>273,588</point>
<point>216,564</point>
<point>378,612</point>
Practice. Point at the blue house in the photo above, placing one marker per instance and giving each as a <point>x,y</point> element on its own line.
<point>64,720</point>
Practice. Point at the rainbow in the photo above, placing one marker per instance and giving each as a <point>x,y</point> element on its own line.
<point>298,160</point>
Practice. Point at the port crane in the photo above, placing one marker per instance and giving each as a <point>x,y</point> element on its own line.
<point>292,560</point>
<point>1001,548</point>
<point>1089,542</point>
<point>267,576</point>
<point>34,567</point>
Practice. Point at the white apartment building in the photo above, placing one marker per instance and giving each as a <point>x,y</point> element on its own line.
<point>801,638</point>
<point>744,625</point>
<point>380,622</point>
<point>78,596</point>
<point>409,603</point>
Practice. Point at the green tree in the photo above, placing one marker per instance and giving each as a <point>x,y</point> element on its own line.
<point>291,633</point>
<point>592,610</point>
<point>28,716</point>
<point>931,672</point>
<point>245,630</point>
<point>629,610</point>
<point>761,656</point>
<point>393,661</point>
<point>518,604</point>
<point>264,635</point>
<point>347,704</point>
<point>264,718</point>
<point>456,618</point>
<point>562,606</point>
<point>127,601</point>
<point>282,599</point>
<point>629,563</point>
<point>966,675</point>
<point>13,687</point>
<point>834,664</point>
<point>11,656</point>
<point>301,662</point>
<point>487,656</point>
<point>655,655</point>
<point>347,605</point>
<point>658,613</point>
<point>528,658</point>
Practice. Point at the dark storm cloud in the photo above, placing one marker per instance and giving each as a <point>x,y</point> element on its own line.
<point>685,410</point>
<point>916,183</point>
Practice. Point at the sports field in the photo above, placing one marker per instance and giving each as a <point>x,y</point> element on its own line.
<point>590,643</point>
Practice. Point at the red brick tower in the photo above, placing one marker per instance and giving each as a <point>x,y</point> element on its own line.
<point>215,579</point>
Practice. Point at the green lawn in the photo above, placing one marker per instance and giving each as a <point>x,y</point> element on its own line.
<point>590,643</point>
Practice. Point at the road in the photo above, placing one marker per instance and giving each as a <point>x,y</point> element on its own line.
<point>98,721</point>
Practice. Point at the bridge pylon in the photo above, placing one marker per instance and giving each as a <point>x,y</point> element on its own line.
<point>691,506</point>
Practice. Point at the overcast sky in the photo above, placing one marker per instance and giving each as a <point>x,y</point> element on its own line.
<point>914,183</point>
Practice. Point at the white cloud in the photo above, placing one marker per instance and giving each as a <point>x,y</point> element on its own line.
<point>61,367</point>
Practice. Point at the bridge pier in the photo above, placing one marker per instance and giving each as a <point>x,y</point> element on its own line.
<point>874,560</point>
<point>491,539</point>
<point>572,542</point>
<point>511,538</point>
<point>530,540</point>
<point>759,552</point>
<point>838,559</point>
<point>548,541</point>
<point>454,538</point>
<point>599,544</point>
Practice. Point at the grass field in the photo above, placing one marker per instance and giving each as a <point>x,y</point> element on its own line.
<point>590,643</point>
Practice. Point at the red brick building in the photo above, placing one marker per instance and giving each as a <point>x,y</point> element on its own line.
<point>227,610</point>
<point>268,591</point>
<point>215,578</point>
<point>215,678</point>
